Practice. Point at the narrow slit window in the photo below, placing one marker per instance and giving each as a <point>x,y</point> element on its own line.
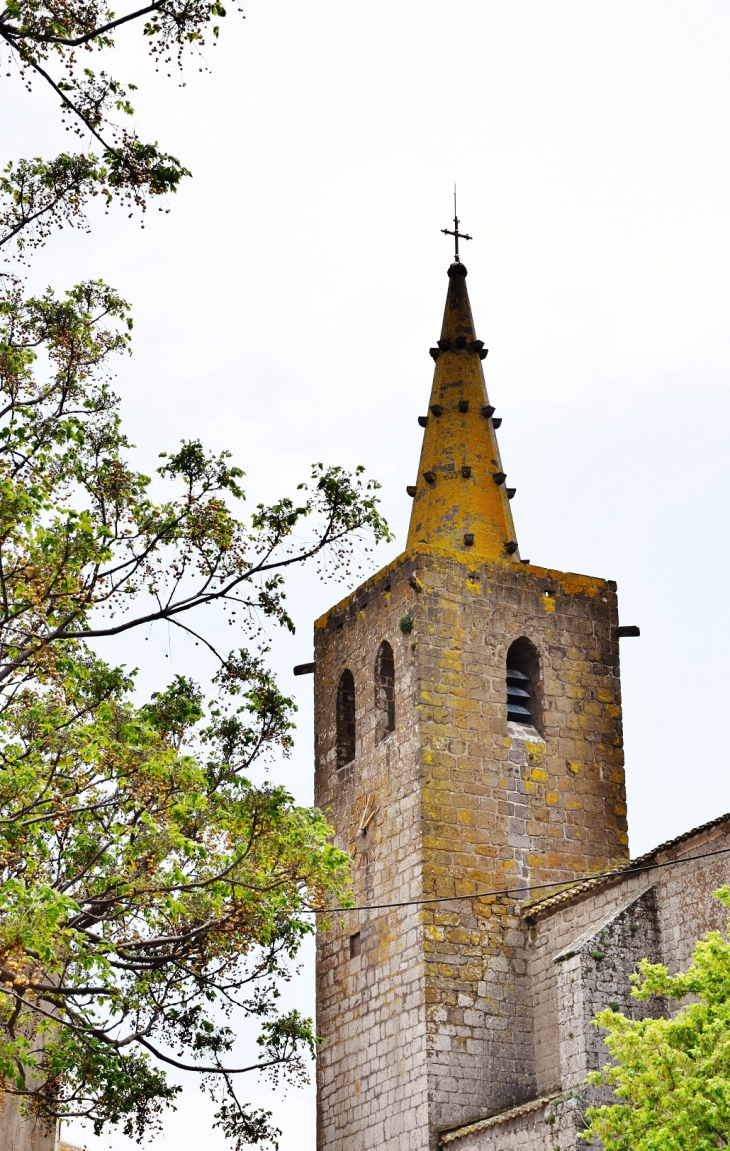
<point>384,691</point>
<point>355,945</point>
<point>345,719</point>
<point>523,679</point>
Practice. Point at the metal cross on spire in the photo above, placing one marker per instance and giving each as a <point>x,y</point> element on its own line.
<point>456,233</point>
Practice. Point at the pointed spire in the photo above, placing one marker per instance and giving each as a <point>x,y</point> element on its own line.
<point>458,320</point>
<point>461,506</point>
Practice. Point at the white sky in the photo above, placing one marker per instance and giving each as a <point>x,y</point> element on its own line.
<point>285,307</point>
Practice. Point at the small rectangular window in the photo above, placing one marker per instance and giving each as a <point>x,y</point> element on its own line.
<point>355,945</point>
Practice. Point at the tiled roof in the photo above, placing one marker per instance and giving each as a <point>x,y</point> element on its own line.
<point>501,1117</point>
<point>542,907</point>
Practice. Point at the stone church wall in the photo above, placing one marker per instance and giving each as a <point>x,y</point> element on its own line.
<point>371,1071</point>
<point>583,950</point>
<point>594,973</point>
<point>564,989</point>
<point>685,901</point>
<point>505,805</point>
<point>18,1134</point>
<point>435,1010</point>
<point>666,911</point>
<point>543,1125</point>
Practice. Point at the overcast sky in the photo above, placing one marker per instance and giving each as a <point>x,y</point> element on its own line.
<point>285,306</point>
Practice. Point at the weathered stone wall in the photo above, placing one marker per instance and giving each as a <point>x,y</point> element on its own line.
<point>583,950</point>
<point>18,1134</point>
<point>431,1025</point>
<point>666,911</point>
<point>371,1071</point>
<point>685,903</point>
<point>594,973</point>
<point>504,805</point>
<point>545,1124</point>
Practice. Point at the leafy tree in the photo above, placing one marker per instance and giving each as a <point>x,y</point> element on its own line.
<point>43,40</point>
<point>672,1074</point>
<point>149,886</point>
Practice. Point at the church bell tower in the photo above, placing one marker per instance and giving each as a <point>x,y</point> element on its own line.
<point>467,739</point>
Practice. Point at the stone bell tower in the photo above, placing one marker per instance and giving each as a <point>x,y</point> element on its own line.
<point>468,739</point>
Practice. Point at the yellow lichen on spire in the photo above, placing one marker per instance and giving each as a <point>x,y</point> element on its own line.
<point>461,507</point>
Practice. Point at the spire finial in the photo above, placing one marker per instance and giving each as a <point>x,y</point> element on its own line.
<point>456,233</point>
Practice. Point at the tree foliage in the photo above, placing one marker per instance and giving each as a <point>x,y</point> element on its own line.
<point>672,1075</point>
<point>149,885</point>
<point>44,41</point>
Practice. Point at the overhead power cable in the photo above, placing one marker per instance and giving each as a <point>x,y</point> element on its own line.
<point>564,885</point>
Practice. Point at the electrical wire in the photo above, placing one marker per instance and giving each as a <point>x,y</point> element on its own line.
<point>564,885</point>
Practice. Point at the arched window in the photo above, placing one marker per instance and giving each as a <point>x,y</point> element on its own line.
<point>523,683</point>
<point>345,719</point>
<point>384,691</point>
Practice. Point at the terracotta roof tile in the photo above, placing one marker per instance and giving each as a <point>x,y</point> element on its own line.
<point>501,1117</point>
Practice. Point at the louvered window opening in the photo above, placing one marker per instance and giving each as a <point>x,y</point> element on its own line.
<point>519,707</point>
